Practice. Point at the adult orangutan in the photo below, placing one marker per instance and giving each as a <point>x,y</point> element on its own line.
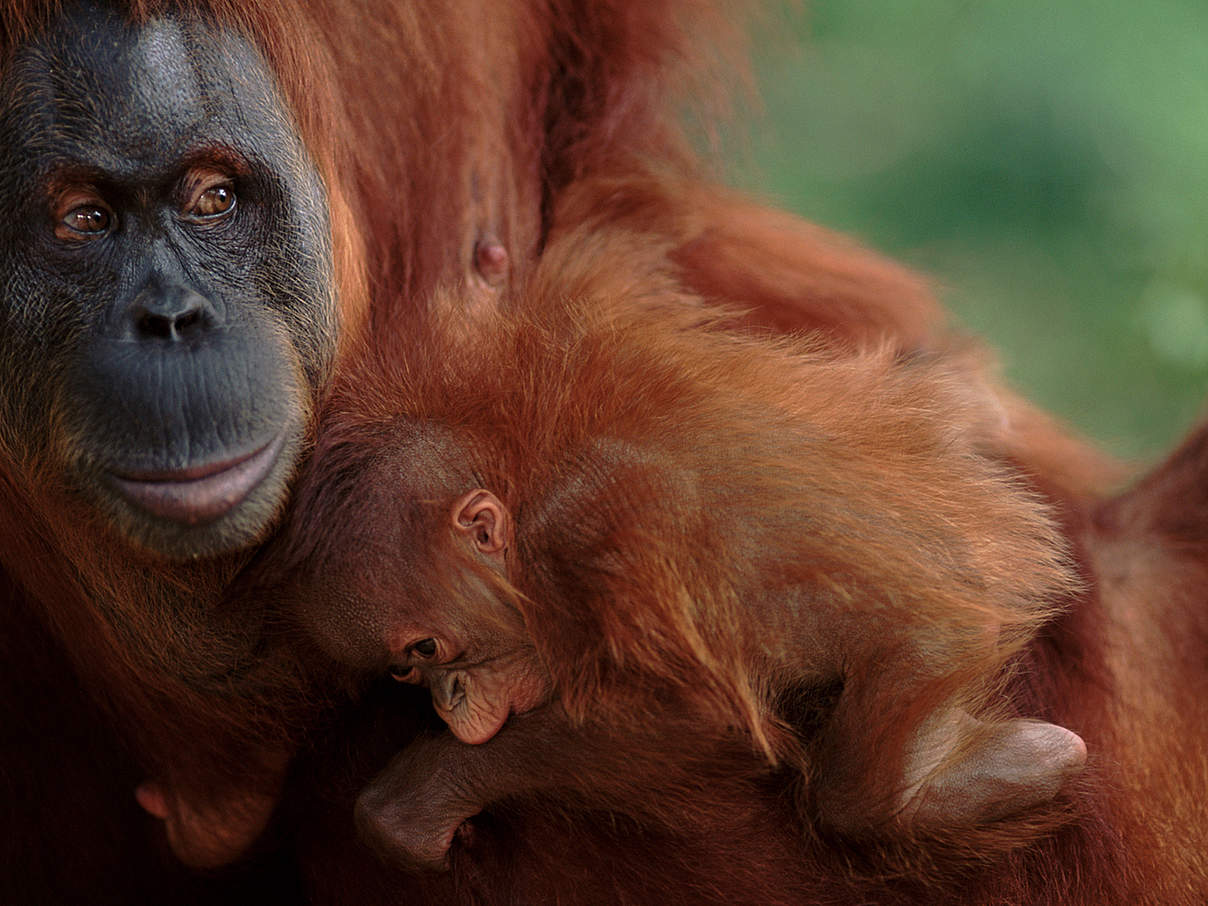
<point>204,202</point>
<point>170,319</point>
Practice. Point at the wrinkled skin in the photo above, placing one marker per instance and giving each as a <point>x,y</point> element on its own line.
<point>165,252</point>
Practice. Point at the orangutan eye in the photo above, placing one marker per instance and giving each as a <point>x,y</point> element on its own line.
<point>424,648</point>
<point>401,674</point>
<point>85,221</point>
<point>214,202</point>
<point>208,196</point>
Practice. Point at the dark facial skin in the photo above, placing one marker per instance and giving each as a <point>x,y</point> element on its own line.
<point>164,248</point>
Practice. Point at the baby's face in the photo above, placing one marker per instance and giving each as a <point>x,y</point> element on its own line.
<point>423,597</point>
<point>478,663</point>
<point>476,684</point>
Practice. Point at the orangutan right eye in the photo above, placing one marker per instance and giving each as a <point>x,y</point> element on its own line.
<point>424,648</point>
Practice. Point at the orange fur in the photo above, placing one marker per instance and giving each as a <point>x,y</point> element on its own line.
<point>613,349</point>
<point>664,470</point>
<point>564,369</point>
<point>433,124</point>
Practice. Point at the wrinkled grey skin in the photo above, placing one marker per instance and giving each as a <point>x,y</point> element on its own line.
<point>170,343</point>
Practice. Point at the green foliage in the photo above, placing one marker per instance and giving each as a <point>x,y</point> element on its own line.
<point>1045,160</point>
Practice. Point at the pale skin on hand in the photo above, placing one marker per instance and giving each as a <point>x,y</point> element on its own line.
<point>998,769</point>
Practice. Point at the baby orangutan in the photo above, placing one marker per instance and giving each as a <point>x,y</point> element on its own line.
<point>644,537</point>
<point>615,540</point>
<point>446,614</point>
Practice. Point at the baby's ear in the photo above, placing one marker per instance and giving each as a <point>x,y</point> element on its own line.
<point>484,521</point>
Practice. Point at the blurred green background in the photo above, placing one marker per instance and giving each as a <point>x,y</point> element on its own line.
<point>1046,162</point>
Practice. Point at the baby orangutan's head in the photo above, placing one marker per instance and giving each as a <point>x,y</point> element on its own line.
<point>412,579</point>
<point>465,643</point>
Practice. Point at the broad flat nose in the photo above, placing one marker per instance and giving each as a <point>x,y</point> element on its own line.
<point>172,314</point>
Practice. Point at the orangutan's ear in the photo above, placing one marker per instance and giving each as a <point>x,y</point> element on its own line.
<point>484,521</point>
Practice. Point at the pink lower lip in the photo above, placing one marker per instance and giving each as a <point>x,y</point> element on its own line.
<point>199,494</point>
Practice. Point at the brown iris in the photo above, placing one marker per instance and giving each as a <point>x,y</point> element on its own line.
<point>87,220</point>
<point>214,201</point>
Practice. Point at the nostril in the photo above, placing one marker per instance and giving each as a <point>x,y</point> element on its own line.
<point>190,319</point>
<point>150,325</point>
<point>161,322</point>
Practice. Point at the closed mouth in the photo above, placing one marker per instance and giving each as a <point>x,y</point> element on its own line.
<point>201,493</point>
